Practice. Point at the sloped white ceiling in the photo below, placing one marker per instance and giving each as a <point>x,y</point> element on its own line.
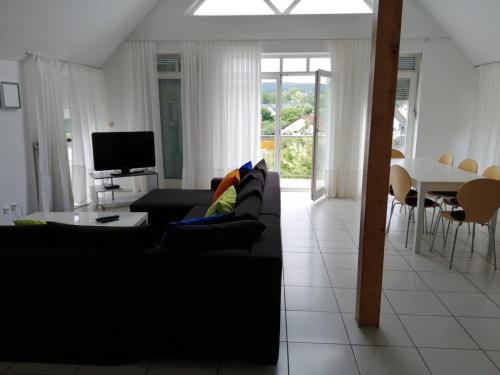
<point>473,24</point>
<point>168,21</point>
<point>83,31</point>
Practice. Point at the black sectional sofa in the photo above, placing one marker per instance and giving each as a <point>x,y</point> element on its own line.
<point>109,295</point>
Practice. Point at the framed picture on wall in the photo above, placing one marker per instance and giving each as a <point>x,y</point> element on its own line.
<point>9,95</point>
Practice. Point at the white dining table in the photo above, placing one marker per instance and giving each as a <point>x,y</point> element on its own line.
<point>430,175</point>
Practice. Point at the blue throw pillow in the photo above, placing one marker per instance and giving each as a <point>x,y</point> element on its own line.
<point>245,168</point>
<point>213,219</point>
<point>204,220</point>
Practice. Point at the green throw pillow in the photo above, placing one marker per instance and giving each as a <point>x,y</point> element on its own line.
<point>224,204</point>
<point>20,222</point>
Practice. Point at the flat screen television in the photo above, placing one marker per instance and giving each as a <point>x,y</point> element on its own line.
<point>123,150</point>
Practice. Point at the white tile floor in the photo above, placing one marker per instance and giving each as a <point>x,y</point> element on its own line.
<point>434,320</point>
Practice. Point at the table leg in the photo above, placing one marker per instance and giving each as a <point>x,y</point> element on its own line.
<point>420,217</point>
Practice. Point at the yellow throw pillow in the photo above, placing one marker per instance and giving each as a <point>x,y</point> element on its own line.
<point>232,178</point>
<point>224,204</point>
<point>21,222</point>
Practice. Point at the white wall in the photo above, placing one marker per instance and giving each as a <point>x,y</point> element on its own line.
<point>13,175</point>
<point>115,78</point>
<point>445,102</point>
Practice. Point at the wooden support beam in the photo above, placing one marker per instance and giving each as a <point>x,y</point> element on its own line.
<point>383,79</point>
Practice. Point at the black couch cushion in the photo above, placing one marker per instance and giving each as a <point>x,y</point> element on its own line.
<point>175,201</point>
<point>102,239</point>
<point>261,166</point>
<point>254,186</point>
<point>238,234</point>
<point>25,236</point>
<point>197,211</point>
<point>249,208</point>
<point>271,200</point>
<point>251,176</point>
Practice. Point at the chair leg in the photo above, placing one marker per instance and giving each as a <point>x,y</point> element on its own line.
<point>393,204</point>
<point>446,235</point>
<point>410,214</point>
<point>454,243</point>
<point>473,236</point>
<point>491,245</point>
<point>432,218</point>
<point>435,233</point>
<point>468,226</point>
<point>494,249</point>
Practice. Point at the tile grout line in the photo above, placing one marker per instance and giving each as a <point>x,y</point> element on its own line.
<point>407,333</point>
<point>336,301</point>
<point>451,315</point>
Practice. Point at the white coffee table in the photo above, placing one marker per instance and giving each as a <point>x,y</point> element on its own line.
<point>127,219</point>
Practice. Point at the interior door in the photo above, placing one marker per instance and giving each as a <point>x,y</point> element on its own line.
<point>322,122</point>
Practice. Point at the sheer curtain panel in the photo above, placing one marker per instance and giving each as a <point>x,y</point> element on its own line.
<point>87,104</point>
<point>144,101</point>
<point>44,97</point>
<point>350,72</point>
<point>221,108</point>
<point>485,140</point>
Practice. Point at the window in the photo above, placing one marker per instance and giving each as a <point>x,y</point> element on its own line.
<point>295,64</point>
<point>331,7</point>
<point>270,65</point>
<point>233,8</point>
<point>405,105</point>
<point>287,114</point>
<point>270,7</point>
<point>169,86</point>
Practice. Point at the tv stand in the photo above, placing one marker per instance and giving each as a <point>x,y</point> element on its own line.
<point>127,173</point>
<point>99,189</point>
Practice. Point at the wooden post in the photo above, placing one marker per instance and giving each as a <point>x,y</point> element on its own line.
<point>383,79</point>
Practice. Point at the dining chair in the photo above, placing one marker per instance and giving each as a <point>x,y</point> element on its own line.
<point>492,172</point>
<point>446,158</point>
<point>479,200</point>
<point>468,165</point>
<point>396,154</point>
<point>400,181</point>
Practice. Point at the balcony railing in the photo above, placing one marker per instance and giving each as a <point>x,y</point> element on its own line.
<point>295,158</point>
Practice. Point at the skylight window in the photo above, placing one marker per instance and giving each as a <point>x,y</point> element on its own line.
<point>282,5</point>
<point>270,7</point>
<point>233,8</point>
<point>331,7</point>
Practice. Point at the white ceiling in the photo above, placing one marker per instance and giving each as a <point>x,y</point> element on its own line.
<point>473,24</point>
<point>83,31</point>
<point>88,31</point>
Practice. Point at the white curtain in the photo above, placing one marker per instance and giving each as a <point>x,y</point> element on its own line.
<point>220,108</point>
<point>485,139</point>
<point>44,97</point>
<point>350,72</point>
<point>87,105</point>
<point>144,101</point>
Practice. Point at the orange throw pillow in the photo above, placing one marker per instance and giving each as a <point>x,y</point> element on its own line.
<point>231,179</point>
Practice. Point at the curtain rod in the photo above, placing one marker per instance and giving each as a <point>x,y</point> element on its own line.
<point>27,53</point>
<point>488,63</point>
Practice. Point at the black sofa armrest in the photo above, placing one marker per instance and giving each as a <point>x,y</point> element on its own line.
<point>215,183</point>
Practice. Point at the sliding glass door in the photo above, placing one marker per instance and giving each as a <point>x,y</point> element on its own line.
<point>288,113</point>
<point>322,122</point>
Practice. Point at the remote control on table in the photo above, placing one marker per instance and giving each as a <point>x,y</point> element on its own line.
<point>107,219</point>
